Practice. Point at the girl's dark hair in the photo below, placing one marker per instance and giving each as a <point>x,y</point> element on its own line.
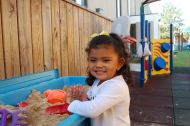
<point>117,43</point>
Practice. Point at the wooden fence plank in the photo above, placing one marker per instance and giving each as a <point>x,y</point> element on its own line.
<point>10,37</point>
<point>110,26</point>
<point>25,40</point>
<point>99,24</point>
<point>107,26</point>
<point>70,39</point>
<point>90,27</point>
<point>86,38</point>
<point>93,24</point>
<point>64,38</point>
<point>2,66</point>
<point>36,10</point>
<point>56,34</point>
<point>81,40</point>
<point>103,24</point>
<point>47,34</point>
<point>76,39</point>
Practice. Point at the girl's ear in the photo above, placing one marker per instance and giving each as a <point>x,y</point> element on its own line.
<point>121,63</point>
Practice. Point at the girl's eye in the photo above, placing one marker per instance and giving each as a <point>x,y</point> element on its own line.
<point>106,60</point>
<point>92,60</point>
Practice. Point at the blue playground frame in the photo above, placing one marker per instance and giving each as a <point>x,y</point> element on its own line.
<point>145,33</point>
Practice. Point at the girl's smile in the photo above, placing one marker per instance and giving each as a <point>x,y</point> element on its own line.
<point>104,62</point>
<point>100,72</point>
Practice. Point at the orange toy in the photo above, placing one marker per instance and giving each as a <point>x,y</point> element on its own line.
<point>54,96</point>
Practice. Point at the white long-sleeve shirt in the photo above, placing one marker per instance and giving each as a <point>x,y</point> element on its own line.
<point>109,104</point>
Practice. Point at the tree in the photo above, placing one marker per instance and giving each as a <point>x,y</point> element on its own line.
<point>170,14</point>
<point>187,34</point>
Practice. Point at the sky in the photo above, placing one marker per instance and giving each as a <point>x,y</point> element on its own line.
<point>183,5</point>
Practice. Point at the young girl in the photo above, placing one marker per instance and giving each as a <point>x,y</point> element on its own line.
<point>109,77</point>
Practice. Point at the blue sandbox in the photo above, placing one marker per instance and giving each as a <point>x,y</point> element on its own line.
<point>159,63</point>
<point>14,97</point>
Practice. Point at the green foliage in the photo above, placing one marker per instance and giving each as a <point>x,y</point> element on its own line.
<point>170,14</point>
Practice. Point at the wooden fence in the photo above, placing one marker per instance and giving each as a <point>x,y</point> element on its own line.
<point>39,35</point>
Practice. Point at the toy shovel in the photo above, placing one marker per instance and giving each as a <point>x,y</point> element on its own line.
<point>17,119</point>
<point>3,117</point>
<point>58,109</point>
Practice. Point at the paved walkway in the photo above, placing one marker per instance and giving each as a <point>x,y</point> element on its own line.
<point>164,101</point>
<point>181,97</point>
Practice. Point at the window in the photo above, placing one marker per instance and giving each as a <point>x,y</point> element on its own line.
<point>81,2</point>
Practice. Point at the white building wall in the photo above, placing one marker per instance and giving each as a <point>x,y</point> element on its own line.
<point>109,10</point>
<point>135,7</point>
<point>124,7</point>
<point>108,6</point>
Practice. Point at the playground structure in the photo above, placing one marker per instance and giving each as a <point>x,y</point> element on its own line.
<point>156,55</point>
<point>160,56</point>
<point>161,59</point>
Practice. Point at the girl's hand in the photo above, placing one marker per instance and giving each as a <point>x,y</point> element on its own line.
<point>78,92</point>
<point>84,96</point>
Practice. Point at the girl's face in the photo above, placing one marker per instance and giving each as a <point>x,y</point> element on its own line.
<point>103,62</point>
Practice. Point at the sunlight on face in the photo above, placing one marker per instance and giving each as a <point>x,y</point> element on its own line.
<point>103,63</point>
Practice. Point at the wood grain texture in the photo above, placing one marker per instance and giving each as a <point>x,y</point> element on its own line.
<point>47,34</point>
<point>2,65</point>
<point>93,23</point>
<point>99,24</point>
<point>90,26</point>
<point>39,35</point>
<point>86,40</point>
<point>81,41</point>
<point>10,38</point>
<point>76,39</point>
<point>36,14</point>
<point>56,34</point>
<point>64,39</point>
<point>70,39</point>
<point>25,36</point>
<point>103,22</point>
<point>109,26</point>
